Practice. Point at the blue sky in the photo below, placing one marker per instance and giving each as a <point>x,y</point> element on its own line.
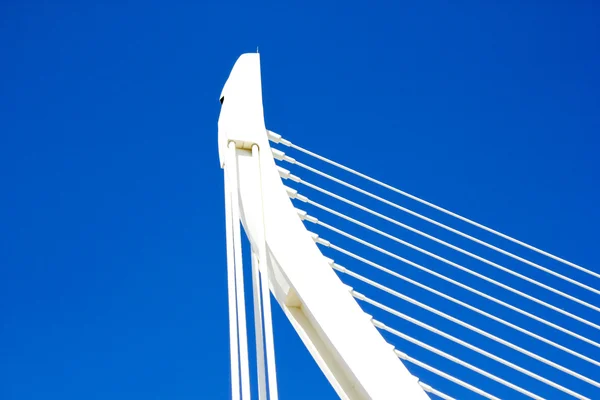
<point>112,253</point>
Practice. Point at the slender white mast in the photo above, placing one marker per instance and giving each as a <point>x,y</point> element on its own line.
<point>346,345</point>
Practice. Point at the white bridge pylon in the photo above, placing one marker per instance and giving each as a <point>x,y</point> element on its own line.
<point>350,351</point>
<point>488,293</point>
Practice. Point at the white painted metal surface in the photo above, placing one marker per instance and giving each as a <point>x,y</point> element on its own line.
<point>239,274</point>
<point>232,302</point>
<point>340,336</point>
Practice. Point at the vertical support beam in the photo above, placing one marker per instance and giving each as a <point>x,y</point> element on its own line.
<point>260,350</point>
<point>239,272</point>
<point>233,329</point>
<point>266,295</point>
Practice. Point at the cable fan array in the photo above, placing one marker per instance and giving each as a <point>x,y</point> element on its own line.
<point>485,315</point>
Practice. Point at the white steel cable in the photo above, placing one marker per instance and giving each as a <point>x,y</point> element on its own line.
<point>445,355</point>
<point>461,285</point>
<point>499,340</point>
<point>266,294</point>
<point>462,343</point>
<point>479,331</point>
<point>233,330</point>
<point>471,327</point>
<point>383,251</point>
<point>441,209</point>
<point>493,264</point>
<point>449,245</point>
<point>286,175</point>
<point>439,394</point>
<point>406,357</point>
<point>260,351</point>
<point>537,266</point>
<point>239,275</point>
<point>466,287</point>
<point>348,272</point>
<point>462,268</point>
